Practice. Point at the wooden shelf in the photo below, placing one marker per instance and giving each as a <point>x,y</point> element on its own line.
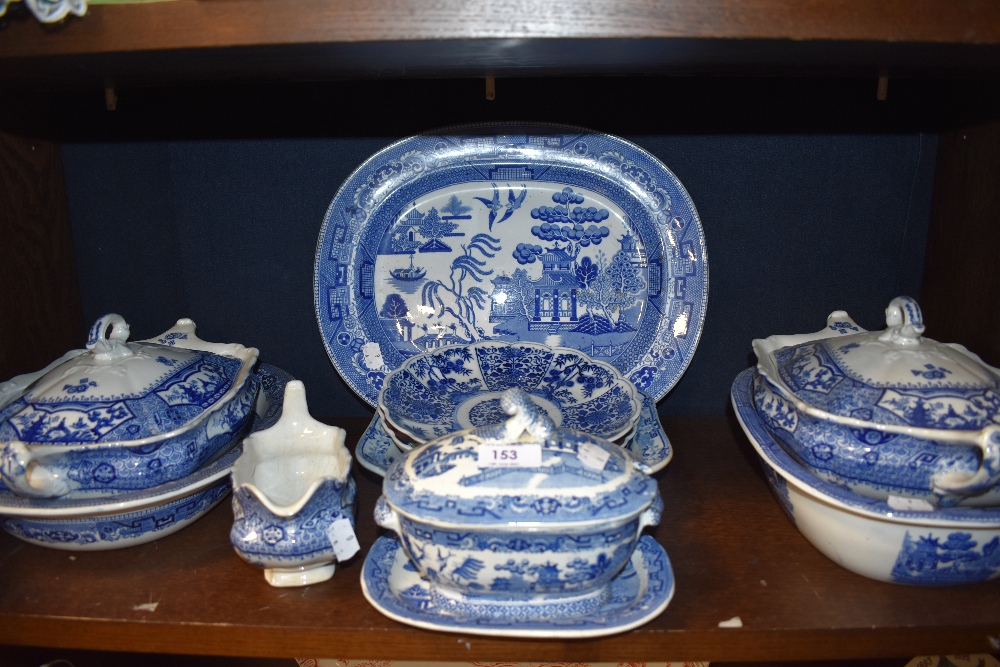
<point>199,23</point>
<point>207,40</point>
<point>734,553</point>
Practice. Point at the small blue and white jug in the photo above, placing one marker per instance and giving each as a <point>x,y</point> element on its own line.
<point>293,497</point>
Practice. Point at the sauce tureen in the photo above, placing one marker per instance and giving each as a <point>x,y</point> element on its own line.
<point>520,518</point>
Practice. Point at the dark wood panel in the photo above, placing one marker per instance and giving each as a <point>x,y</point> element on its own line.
<point>223,23</point>
<point>40,300</point>
<point>732,549</point>
<point>628,106</point>
<point>201,40</point>
<point>962,275</point>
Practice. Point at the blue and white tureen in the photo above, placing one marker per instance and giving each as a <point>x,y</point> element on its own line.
<point>121,416</point>
<point>518,520</point>
<point>890,414</point>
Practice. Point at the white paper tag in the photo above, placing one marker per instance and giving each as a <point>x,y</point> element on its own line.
<point>909,504</point>
<point>593,456</point>
<point>526,455</point>
<point>373,356</point>
<point>342,537</point>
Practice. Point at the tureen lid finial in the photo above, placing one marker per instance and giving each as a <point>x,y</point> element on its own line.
<point>904,322</point>
<point>107,338</point>
<point>525,417</point>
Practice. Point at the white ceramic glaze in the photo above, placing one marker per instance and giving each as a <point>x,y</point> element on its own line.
<point>12,389</point>
<point>910,543</point>
<point>124,416</point>
<point>292,482</point>
<point>542,536</point>
<point>888,413</point>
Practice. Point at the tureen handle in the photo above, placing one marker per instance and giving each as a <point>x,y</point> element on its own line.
<point>183,335</point>
<point>651,515</point>
<point>107,338</point>
<point>957,485</point>
<point>903,321</point>
<point>21,473</point>
<point>386,517</point>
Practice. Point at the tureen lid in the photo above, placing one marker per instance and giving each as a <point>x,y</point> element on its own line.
<point>891,377</point>
<point>522,471</point>
<point>125,391</point>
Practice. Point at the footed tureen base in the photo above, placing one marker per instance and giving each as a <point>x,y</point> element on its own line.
<point>285,577</point>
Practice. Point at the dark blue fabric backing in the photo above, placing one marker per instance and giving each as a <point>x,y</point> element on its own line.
<point>224,232</point>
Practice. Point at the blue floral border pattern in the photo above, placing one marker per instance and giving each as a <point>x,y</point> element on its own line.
<point>637,595</point>
<point>742,397</point>
<point>272,380</point>
<point>296,540</point>
<point>930,555</point>
<point>105,530</point>
<point>660,218</point>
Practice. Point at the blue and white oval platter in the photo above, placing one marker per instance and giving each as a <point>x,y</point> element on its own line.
<point>521,232</point>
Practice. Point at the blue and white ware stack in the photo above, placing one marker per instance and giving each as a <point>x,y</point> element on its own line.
<point>514,254</point>
<point>565,265</point>
<point>123,442</point>
<point>519,529</point>
<point>884,446</point>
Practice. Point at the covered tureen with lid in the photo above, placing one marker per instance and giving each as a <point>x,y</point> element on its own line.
<point>520,515</point>
<point>890,414</point>
<point>122,415</point>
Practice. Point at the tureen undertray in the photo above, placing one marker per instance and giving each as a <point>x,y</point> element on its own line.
<point>637,595</point>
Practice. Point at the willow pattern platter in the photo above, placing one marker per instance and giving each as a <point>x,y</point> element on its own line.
<point>540,233</point>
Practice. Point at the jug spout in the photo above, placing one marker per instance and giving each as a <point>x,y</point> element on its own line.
<point>284,465</point>
<point>292,491</point>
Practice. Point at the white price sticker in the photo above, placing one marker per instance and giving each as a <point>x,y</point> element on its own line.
<point>909,504</point>
<point>373,356</point>
<point>510,456</point>
<point>342,537</point>
<point>593,456</point>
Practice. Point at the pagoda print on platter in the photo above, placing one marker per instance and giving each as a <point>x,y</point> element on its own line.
<point>564,281</point>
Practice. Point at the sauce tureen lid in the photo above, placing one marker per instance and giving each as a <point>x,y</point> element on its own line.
<point>523,471</point>
<point>118,391</point>
<point>891,377</point>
